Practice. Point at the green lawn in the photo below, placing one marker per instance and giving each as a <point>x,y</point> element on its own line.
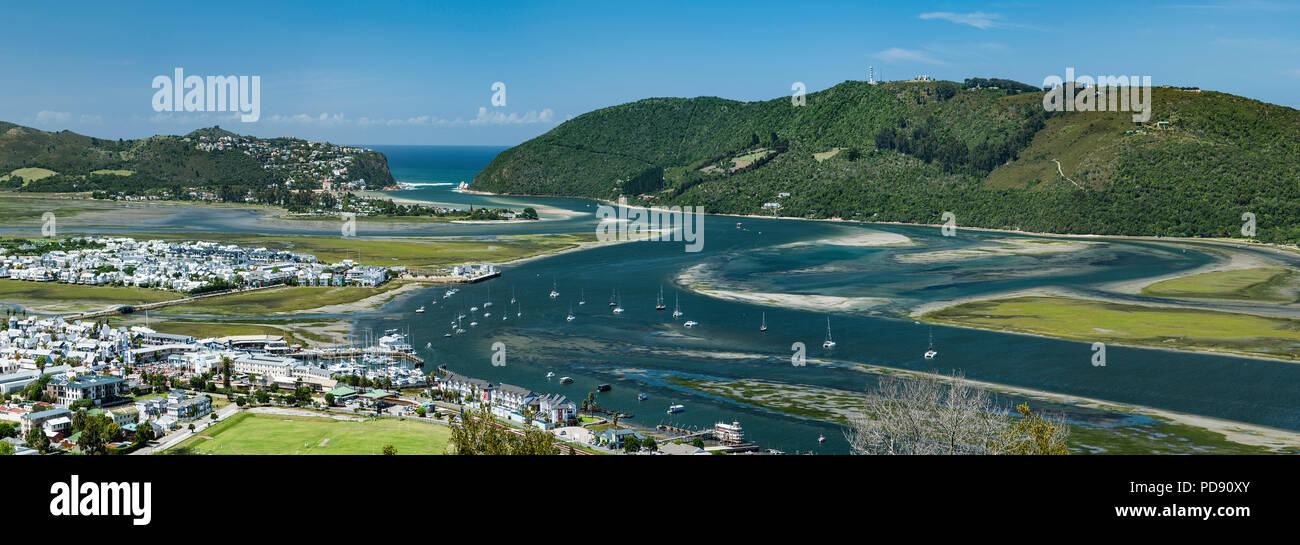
<point>1093,321</point>
<point>30,174</point>
<point>253,433</point>
<point>1258,284</point>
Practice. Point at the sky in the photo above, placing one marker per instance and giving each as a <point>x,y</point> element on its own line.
<point>377,73</point>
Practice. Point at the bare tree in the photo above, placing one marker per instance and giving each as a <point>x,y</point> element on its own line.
<point>933,415</point>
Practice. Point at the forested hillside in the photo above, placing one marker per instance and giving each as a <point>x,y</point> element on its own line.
<point>908,151</point>
<point>39,161</point>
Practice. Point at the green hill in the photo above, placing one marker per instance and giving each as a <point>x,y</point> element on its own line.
<point>159,163</point>
<point>909,151</point>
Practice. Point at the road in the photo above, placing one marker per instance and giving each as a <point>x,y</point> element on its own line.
<point>184,433</point>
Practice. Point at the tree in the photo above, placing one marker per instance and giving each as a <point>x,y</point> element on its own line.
<point>1034,434</point>
<point>389,450</point>
<point>649,444</point>
<point>6,449</point>
<point>226,367</point>
<point>930,415</point>
<point>36,439</point>
<point>697,442</point>
<point>329,399</point>
<point>631,444</point>
<point>8,429</point>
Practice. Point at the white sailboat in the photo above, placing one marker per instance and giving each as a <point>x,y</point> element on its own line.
<point>931,353</point>
<point>570,317</point>
<point>582,296</point>
<point>677,306</point>
<point>764,326</point>
<point>612,296</point>
<point>618,307</point>
<point>554,292</point>
<point>419,310</point>
<point>488,303</point>
<point>512,295</point>
<point>691,323</point>
<point>659,303</point>
<point>828,343</point>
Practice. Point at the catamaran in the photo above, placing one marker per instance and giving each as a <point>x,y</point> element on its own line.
<point>691,323</point>
<point>659,303</point>
<point>828,343</point>
<point>764,326</point>
<point>677,305</point>
<point>931,353</point>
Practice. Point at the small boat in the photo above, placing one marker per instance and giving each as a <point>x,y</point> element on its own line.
<point>550,374</point>
<point>419,310</point>
<point>821,438</point>
<point>828,343</point>
<point>676,409</point>
<point>602,388</point>
<point>519,310</point>
<point>487,314</point>
<point>691,323</point>
<point>566,380</point>
<point>554,293</point>
<point>642,397</point>
<point>738,225</point>
<point>512,295</point>
<point>582,297</point>
<point>570,317</point>
<point>659,303</point>
<point>428,345</point>
<point>446,334</point>
<point>487,304</point>
<point>612,296</point>
<point>473,309</point>
<point>473,324</point>
<point>677,306</point>
<point>764,326</point>
<point>931,353</point>
<point>618,308</point>
<point>459,331</point>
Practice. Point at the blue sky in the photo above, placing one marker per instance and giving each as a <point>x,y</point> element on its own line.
<point>419,73</point>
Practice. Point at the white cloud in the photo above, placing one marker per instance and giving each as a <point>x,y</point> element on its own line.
<point>977,19</point>
<point>48,117</point>
<point>898,54</point>
<point>497,117</point>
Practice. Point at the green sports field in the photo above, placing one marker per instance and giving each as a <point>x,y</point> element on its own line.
<point>256,433</point>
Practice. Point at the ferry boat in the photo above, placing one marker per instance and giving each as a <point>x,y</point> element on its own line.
<point>672,409</point>
<point>566,380</point>
<point>419,310</point>
<point>828,343</point>
<point>729,433</point>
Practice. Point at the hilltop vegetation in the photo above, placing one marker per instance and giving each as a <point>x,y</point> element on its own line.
<point>159,165</point>
<point>908,151</point>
